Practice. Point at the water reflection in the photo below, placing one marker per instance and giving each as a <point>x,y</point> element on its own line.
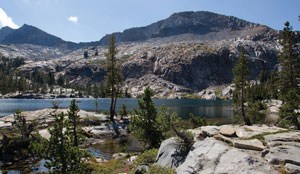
<point>183,107</point>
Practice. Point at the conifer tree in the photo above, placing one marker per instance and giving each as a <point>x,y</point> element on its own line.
<point>144,124</point>
<point>73,126</point>
<point>113,78</point>
<point>289,75</point>
<point>85,54</point>
<point>64,157</point>
<point>240,79</point>
<point>24,128</point>
<point>58,145</point>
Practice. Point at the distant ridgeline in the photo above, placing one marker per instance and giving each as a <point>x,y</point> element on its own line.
<point>185,53</point>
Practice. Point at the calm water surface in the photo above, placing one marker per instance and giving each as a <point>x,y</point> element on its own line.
<point>212,109</point>
<point>217,110</point>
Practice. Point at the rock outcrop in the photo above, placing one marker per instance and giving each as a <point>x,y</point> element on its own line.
<point>168,68</point>
<point>44,118</point>
<point>200,23</point>
<point>261,149</point>
<point>185,53</point>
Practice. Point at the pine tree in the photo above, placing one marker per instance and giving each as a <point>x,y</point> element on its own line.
<point>22,126</point>
<point>289,75</point>
<point>240,79</point>
<point>85,54</point>
<point>73,126</point>
<point>96,52</point>
<point>58,145</point>
<point>144,124</point>
<point>64,156</point>
<point>113,78</point>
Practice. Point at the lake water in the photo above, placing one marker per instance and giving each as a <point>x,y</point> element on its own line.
<point>212,109</point>
<point>216,110</point>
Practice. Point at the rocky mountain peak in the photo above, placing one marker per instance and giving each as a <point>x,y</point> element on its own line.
<point>32,35</point>
<point>4,31</point>
<point>6,28</point>
<point>29,27</point>
<point>28,34</point>
<point>204,19</point>
<point>187,52</point>
<point>198,23</point>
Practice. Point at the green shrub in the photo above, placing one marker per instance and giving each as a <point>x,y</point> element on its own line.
<point>109,167</point>
<point>196,121</point>
<point>91,120</point>
<point>186,141</point>
<point>147,157</point>
<point>256,112</point>
<point>156,169</point>
<point>38,146</point>
<point>285,123</point>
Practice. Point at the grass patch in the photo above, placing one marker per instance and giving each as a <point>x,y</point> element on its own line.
<point>262,135</point>
<point>147,157</point>
<point>156,169</point>
<point>111,167</point>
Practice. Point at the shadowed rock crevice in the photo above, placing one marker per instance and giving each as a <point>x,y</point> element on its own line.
<point>234,149</point>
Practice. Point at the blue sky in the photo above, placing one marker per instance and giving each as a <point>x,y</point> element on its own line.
<point>89,20</point>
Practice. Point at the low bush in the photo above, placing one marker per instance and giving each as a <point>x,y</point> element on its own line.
<point>156,169</point>
<point>147,157</point>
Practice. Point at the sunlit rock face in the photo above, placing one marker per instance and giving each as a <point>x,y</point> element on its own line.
<point>185,53</point>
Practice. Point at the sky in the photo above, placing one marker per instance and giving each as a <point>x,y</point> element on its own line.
<point>89,20</point>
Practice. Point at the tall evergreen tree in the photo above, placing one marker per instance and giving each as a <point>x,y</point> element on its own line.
<point>113,78</point>
<point>145,124</point>
<point>73,127</point>
<point>240,79</point>
<point>289,75</point>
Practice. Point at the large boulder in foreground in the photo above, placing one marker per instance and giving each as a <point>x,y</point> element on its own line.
<point>169,155</point>
<point>257,149</point>
<point>204,156</point>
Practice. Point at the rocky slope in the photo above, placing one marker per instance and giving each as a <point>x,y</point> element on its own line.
<point>235,149</point>
<point>199,23</point>
<point>169,68</point>
<point>33,52</point>
<point>32,43</point>
<point>184,53</point>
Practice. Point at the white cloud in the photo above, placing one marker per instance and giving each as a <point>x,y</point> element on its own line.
<point>6,20</point>
<point>73,19</point>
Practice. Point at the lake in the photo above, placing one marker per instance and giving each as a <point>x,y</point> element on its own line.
<point>211,109</point>
<point>215,110</point>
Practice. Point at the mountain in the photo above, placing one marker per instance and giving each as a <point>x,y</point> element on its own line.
<point>28,34</point>
<point>199,23</point>
<point>185,53</point>
<point>5,31</point>
<point>211,25</point>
